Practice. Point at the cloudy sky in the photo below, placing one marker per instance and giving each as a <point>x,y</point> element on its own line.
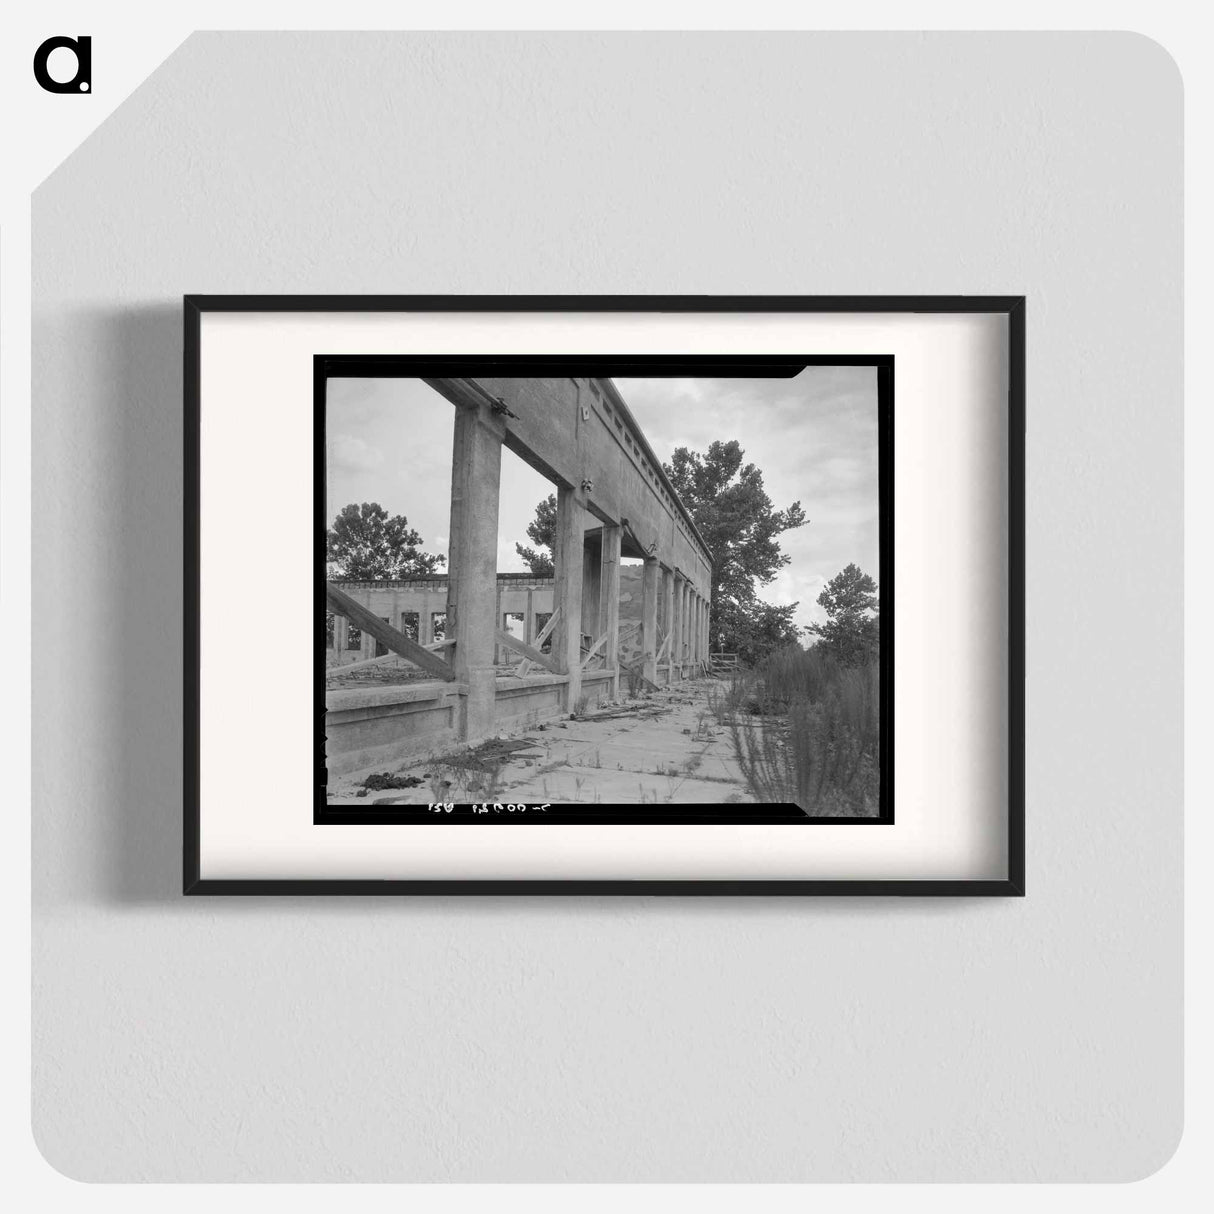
<point>814,437</point>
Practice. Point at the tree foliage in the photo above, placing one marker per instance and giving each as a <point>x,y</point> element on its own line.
<point>755,629</point>
<point>541,531</point>
<point>852,630</point>
<point>365,544</point>
<point>741,527</point>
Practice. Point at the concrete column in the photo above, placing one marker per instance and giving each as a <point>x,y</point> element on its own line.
<point>567,596</point>
<point>592,582</point>
<point>529,617</point>
<point>609,603</point>
<point>693,625</point>
<point>368,645</point>
<point>668,597</point>
<point>693,619</point>
<point>425,626</point>
<point>472,577</point>
<point>341,630</point>
<point>686,623</point>
<point>695,631</point>
<point>676,637</point>
<point>498,622</point>
<point>649,619</point>
<point>680,612</point>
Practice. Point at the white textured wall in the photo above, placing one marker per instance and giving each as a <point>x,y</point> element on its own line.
<point>624,1039</point>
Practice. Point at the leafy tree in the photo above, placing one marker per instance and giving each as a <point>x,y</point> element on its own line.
<point>733,513</point>
<point>366,545</point>
<point>756,629</point>
<point>852,630</point>
<point>542,531</point>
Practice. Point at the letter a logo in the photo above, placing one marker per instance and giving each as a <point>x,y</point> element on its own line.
<point>82,81</point>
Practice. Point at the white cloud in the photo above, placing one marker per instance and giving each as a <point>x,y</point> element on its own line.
<point>349,454</point>
<point>813,437</point>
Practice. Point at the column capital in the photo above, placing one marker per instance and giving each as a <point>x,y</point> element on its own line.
<point>484,416</point>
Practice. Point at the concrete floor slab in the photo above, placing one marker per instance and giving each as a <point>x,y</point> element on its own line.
<point>680,756</point>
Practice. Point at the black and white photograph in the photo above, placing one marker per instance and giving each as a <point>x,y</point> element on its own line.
<point>603,590</point>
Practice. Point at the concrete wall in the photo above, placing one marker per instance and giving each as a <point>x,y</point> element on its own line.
<point>525,702</point>
<point>427,596</point>
<point>369,727</point>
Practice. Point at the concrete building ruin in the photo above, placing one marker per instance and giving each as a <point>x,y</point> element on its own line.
<point>503,651</point>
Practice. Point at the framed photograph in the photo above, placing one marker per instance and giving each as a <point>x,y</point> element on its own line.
<point>680,595</point>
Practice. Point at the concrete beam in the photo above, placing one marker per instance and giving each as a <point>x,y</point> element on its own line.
<point>579,432</point>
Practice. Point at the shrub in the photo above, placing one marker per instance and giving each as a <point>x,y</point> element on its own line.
<point>724,700</point>
<point>818,743</point>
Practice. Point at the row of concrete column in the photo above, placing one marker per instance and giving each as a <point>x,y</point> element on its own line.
<point>686,615</point>
<point>472,615</point>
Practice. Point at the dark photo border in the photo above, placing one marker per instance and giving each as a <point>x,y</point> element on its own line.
<point>1013,307</point>
<point>326,367</point>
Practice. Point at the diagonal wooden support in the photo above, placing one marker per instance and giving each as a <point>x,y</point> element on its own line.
<point>636,670</point>
<point>545,633</point>
<point>340,603</point>
<point>531,654</point>
<point>383,657</point>
<point>589,653</point>
<point>665,647</point>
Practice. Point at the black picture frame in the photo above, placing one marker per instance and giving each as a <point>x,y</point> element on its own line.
<point>1011,307</point>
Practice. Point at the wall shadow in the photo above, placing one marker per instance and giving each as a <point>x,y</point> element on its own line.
<point>137,432</point>
<point>141,401</point>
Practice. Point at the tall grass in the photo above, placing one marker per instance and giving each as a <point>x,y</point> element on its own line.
<point>807,730</point>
